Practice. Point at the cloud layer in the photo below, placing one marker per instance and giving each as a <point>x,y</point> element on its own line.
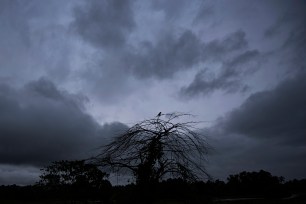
<point>108,61</point>
<point>266,131</point>
<point>40,124</point>
<point>236,62</point>
<point>106,23</point>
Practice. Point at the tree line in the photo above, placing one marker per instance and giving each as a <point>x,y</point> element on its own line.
<point>78,185</point>
<point>165,155</point>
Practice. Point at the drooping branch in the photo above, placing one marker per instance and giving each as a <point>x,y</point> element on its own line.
<point>158,148</point>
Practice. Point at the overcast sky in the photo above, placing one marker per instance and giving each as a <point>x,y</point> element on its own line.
<point>74,73</point>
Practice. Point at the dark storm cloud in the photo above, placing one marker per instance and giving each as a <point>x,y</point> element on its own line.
<point>104,24</point>
<point>236,153</point>
<point>11,13</point>
<point>160,60</point>
<point>292,17</point>
<point>33,42</point>
<point>14,34</point>
<point>18,174</point>
<point>267,131</point>
<point>276,28</point>
<point>229,79</point>
<point>220,48</point>
<point>172,54</point>
<point>292,52</point>
<point>204,13</point>
<point>226,63</point>
<point>277,114</point>
<point>40,123</point>
<point>107,24</point>
<point>169,55</point>
<point>290,27</point>
<point>237,62</point>
<point>171,8</point>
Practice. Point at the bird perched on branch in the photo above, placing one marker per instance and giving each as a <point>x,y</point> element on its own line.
<point>159,114</point>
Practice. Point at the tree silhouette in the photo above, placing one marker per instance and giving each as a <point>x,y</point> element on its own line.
<point>158,148</point>
<point>260,183</point>
<point>72,173</point>
<point>74,180</point>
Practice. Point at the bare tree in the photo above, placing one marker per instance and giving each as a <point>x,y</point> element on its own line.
<point>156,149</point>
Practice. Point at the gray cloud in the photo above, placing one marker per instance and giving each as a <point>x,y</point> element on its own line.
<point>292,17</point>
<point>220,48</point>
<point>33,41</point>
<point>172,8</point>
<point>276,28</point>
<point>169,55</point>
<point>289,30</point>
<point>162,58</point>
<point>205,12</point>
<point>228,79</point>
<point>14,35</point>
<point>172,54</point>
<point>40,123</point>
<point>236,153</point>
<point>123,54</point>
<point>277,114</point>
<point>104,24</point>
<point>18,174</point>
<point>266,132</point>
<point>291,52</point>
<point>237,62</point>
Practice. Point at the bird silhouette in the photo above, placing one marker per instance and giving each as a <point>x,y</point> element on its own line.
<point>159,114</point>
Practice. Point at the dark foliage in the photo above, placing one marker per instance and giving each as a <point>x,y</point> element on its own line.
<point>72,173</point>
<point>260,183</point>
<point>296,186</point>
<point>74,180</point>
<point>245,184</point>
